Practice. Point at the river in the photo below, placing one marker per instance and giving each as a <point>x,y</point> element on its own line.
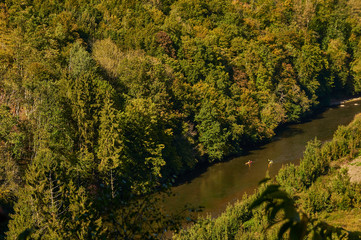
<point>223,183</point>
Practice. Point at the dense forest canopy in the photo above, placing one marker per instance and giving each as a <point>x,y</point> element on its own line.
<point>102,102</point>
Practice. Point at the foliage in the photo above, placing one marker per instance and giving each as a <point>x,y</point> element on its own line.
<point>102,102</point>
<point>296,223</point>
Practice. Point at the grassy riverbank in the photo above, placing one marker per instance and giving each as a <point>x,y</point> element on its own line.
<point>320,187</point>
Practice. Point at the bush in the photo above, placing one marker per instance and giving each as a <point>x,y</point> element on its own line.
<point>345,195</point>
<point>317,157</point>
<point>314,164</point>
<point>287,177</point>
<point>318,199</point>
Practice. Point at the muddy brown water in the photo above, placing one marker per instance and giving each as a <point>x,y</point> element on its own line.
<point>224,183</point>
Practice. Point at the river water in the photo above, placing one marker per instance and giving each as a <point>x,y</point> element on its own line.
<point>224,183</point>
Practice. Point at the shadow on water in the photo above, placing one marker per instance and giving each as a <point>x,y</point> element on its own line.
<point>285,131</point>
<point>288,132</point>
<point>291,129</point>
<point>204,166</point>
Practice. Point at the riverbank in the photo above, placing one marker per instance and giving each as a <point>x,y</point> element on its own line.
<point>223,183</point>
<point>202,166</point>
<point>337,102</point>
<point>320,187</point>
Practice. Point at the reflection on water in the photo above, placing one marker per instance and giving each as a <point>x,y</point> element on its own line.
<point>226,182</point>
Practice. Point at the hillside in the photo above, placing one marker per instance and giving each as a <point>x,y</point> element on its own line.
<point>103,103</point>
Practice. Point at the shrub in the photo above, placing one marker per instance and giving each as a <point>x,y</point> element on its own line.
<point>317,199</point>
<point>288,178</point>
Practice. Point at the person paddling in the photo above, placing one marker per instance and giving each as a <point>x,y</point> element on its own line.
<point>248,163</point>
<point>270,162</point>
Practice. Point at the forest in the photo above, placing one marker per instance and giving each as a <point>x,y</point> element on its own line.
<point>104,103</point>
